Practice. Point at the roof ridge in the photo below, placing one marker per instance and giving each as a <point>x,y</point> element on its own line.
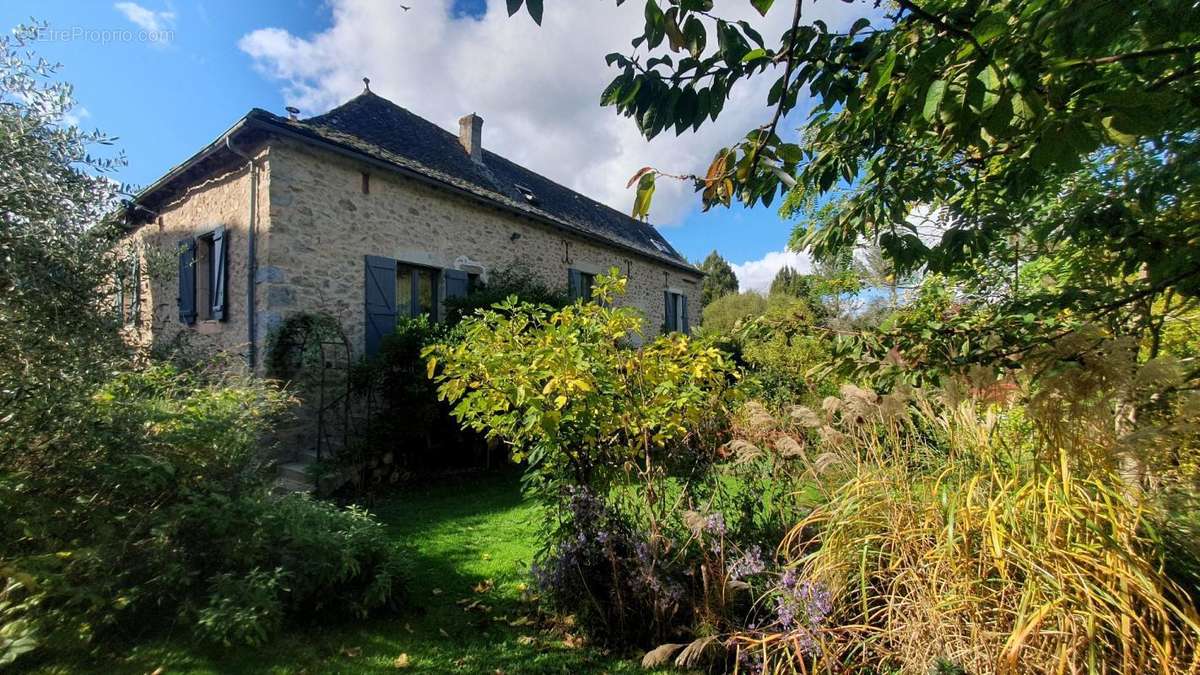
<point>391,128</point>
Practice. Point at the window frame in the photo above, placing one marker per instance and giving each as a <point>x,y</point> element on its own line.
<point>676,308</point>
<point>413,301</point>
<point>209,273</point>
<point>581,284</point>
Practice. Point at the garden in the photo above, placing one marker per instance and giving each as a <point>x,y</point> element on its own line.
<point>965,441</point>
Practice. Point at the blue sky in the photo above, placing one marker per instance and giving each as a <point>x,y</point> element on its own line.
<point>166,98</point>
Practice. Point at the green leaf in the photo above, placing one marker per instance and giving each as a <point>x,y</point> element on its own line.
<point>655,24</point>
<point>883,71</point>
<point>612,93</point>
<point>933,99</point>
<point>762,5</point>
<point>674,34</point>
<point>1114,128</point>
<point>990,27</point>
<point>731,43</point>
<point>535,10</point>
<point>695,36</point>
<point>754,55</point>
<point>514,6</point>
<point>645,192</point>
<point>990,80</point>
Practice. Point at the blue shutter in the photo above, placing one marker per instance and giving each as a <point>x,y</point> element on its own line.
<point>119,299</point>
<point>457,283</point>
<point>669,323</point>
<point>380,282</point>
<point>219,278</point>
<point>575,284</point>
<point>135,308</point>
<point>187,281</point>
<point>686,326</point>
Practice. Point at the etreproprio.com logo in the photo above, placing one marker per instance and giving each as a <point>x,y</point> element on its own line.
<point>103,35</point>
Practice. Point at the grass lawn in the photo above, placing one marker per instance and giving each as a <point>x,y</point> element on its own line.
<point>461,534</point>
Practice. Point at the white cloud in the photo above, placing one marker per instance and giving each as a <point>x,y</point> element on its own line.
<point>75,116</point>
<point>146,19</point>
<point>756,275</point>
<point>537,88</point>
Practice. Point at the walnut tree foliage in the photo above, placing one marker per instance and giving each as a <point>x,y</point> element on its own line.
<point>971,106</point>
<point>1044,134</point>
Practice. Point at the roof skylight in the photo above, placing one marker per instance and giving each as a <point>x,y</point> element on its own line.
<point>526,193</point>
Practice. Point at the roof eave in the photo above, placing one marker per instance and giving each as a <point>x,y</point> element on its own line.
<point>183,167</point>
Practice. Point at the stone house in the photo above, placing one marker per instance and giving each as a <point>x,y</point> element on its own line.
<point>367,213</point>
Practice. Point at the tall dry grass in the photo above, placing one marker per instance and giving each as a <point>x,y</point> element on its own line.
<point>989,528</point>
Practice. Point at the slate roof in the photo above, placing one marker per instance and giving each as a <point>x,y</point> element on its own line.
<point>374,126</point>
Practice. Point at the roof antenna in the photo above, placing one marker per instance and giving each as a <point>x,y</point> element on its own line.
<point>367,83</point>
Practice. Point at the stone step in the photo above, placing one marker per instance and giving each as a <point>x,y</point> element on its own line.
<point>295,471</point>
<point>287,486</point>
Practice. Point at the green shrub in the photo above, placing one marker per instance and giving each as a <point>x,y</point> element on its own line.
<point>313,558</point>
<point>784,351</point>
<point>728,312</point>
<point>501,285</point>
<point>157,513</point>
<point>242,608</point>
<point>569,393</point>
<point>596,421</point>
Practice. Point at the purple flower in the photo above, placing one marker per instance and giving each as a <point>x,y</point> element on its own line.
<point>788,580</point>
<point>785,612</point>
<point>818,602</point>
<point>715,524</point>
<point>748,565</point>
<point>802,607</point>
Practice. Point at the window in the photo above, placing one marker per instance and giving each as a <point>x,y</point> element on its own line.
<point>580,284</point>
<point>416,291</point>
<point>203,281</point>
<point>395,290</point>
<point>676,312</point>
<point>129,291</point>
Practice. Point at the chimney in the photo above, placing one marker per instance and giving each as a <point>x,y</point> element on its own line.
<point>293,113</point>
<point>470,134</point>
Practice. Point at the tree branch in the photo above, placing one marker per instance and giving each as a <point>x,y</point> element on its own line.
<point>787,81</point>
<point>1131,56</point>
<point>942,24</point>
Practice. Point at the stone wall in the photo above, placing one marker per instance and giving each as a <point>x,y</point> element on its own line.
<point>222,200</point>
<point>322,225</point>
